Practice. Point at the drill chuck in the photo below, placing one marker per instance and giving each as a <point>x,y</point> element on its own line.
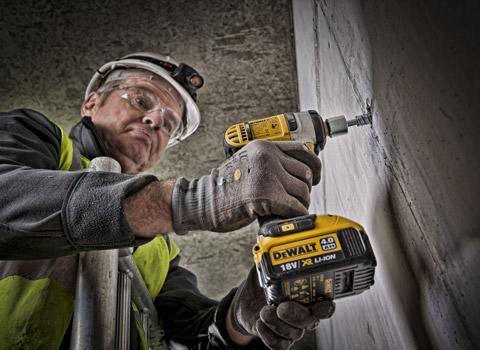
<point>337,126</point>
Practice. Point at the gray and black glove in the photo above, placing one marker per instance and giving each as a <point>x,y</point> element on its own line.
<point>280,326</point>
<point>263,178</point>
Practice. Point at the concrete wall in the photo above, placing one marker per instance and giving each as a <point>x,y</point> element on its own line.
<point>412,179</point>
<point>244,49</point>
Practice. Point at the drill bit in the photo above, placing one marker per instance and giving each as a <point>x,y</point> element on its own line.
<point>363,119</point>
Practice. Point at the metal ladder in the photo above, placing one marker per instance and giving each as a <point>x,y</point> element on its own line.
<point>107,282</point>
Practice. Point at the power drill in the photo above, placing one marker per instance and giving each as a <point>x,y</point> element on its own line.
<point>314,257</point>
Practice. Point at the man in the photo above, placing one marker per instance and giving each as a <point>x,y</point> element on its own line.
<point>134,109</point>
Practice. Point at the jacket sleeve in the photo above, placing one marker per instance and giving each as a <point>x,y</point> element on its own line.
<point>47,213</point>
<point>192,319</point>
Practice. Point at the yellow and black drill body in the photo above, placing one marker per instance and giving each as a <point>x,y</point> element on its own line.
<point>313,257</point>
<point>304,126</point>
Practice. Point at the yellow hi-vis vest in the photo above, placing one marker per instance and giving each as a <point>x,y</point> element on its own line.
<point>35,312</point>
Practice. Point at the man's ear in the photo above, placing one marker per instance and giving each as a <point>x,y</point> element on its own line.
<point>91,104</point>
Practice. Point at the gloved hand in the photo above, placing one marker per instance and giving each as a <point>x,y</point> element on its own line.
<point>263,178</point>
<point>280,326</point>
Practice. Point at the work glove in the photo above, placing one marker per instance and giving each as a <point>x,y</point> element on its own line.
<point>263,178</point>
<point>279,327</point>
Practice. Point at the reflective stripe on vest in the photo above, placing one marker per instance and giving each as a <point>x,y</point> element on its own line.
<point>35,311</point>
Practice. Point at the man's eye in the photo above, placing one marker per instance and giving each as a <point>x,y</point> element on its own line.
<point>168,126</point>
<point>140,103</point>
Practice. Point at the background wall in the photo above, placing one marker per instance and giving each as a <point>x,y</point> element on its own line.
<point>412,179</point>
<point>244,49</point>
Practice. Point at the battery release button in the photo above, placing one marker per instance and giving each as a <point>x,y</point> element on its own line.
<point>282,227</point>
<point>287,227</point>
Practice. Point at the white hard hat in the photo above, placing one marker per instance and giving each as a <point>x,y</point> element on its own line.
<point>181,76</point>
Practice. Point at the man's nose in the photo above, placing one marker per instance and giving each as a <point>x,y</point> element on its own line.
<point>154,118</point>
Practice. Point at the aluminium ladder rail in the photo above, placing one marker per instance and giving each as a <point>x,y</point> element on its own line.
<point>107,282</point>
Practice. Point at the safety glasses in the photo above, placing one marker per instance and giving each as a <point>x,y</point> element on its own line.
<point>146,101</point>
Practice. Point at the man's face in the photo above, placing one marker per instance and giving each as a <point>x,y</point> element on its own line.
<point>136,118</point>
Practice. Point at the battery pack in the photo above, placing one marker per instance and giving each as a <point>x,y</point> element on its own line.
<point>311,258</point>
